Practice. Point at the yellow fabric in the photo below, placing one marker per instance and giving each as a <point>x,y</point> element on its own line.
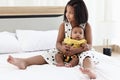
<point>74,43</point>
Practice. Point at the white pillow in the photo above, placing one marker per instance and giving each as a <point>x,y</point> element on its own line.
<point>31,40</point>
<point>8,43</point>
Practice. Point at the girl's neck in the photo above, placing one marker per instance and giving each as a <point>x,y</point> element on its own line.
<point>73,24</point>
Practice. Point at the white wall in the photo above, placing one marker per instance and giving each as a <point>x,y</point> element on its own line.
<point>104,16</point>
<point>107,22</point>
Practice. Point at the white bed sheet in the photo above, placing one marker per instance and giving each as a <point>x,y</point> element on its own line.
<point>107,69</point>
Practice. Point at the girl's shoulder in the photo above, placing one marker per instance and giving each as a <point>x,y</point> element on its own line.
<point>62,26</point>
<point>85,25</point>
<point>88,25</point>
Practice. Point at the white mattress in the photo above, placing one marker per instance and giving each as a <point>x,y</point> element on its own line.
<point>107,69</point>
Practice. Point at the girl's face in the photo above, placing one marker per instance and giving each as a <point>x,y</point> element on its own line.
<point>77,33</point>
<point>70,13</point>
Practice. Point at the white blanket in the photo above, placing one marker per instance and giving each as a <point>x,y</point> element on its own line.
<point>107,69</point>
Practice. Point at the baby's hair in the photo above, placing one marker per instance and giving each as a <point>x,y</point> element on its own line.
<point>78,27</point>
<point>80,11</point>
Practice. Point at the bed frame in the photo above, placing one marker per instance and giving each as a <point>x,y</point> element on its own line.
<point>29,11</point>
<point>30,17</point>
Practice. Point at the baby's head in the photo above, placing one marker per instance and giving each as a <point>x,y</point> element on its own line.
<point>77,33</point>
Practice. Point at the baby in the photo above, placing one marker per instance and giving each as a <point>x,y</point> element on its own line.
<point>76,40</point>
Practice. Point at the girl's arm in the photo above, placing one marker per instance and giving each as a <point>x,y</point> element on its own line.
<point>61,35</point>
<point>88,35</point>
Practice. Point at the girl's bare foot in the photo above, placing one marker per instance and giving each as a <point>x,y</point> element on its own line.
<point>20,63</point>
<point>89,73</point>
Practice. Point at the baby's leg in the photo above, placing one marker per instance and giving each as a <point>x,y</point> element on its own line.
<point>59,59</point>
<point>87,68</point>
<point>73,62</point>
<point>22,63</point>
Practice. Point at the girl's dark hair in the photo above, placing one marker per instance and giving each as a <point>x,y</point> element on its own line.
<point>80,11</point>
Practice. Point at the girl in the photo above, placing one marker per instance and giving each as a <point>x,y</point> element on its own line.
<point>75,14</point>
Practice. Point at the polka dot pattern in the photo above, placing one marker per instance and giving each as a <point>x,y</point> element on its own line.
<point>49,56</point>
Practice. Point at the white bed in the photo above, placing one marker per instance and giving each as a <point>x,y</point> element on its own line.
<point>26,43</point>
<point>107,69</point>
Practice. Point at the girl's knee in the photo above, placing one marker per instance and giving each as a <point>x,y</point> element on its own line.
<point>58,54</point>
<point>87,58</point>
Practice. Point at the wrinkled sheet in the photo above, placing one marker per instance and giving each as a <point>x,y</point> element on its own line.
<point>107,69</point>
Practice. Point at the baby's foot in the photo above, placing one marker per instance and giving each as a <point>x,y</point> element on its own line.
<point>68,65</point>
<point>88,72</point>
<point>17,62</point>
<point>60,64</point>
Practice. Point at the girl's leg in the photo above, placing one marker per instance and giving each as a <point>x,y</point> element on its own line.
<point>87,68</point>
<point>22,63</point>
<point>59,59</point>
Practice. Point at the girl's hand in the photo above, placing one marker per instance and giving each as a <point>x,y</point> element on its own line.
<point>65,49</point>
<point>73,51</point>
<point>85,47</point>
